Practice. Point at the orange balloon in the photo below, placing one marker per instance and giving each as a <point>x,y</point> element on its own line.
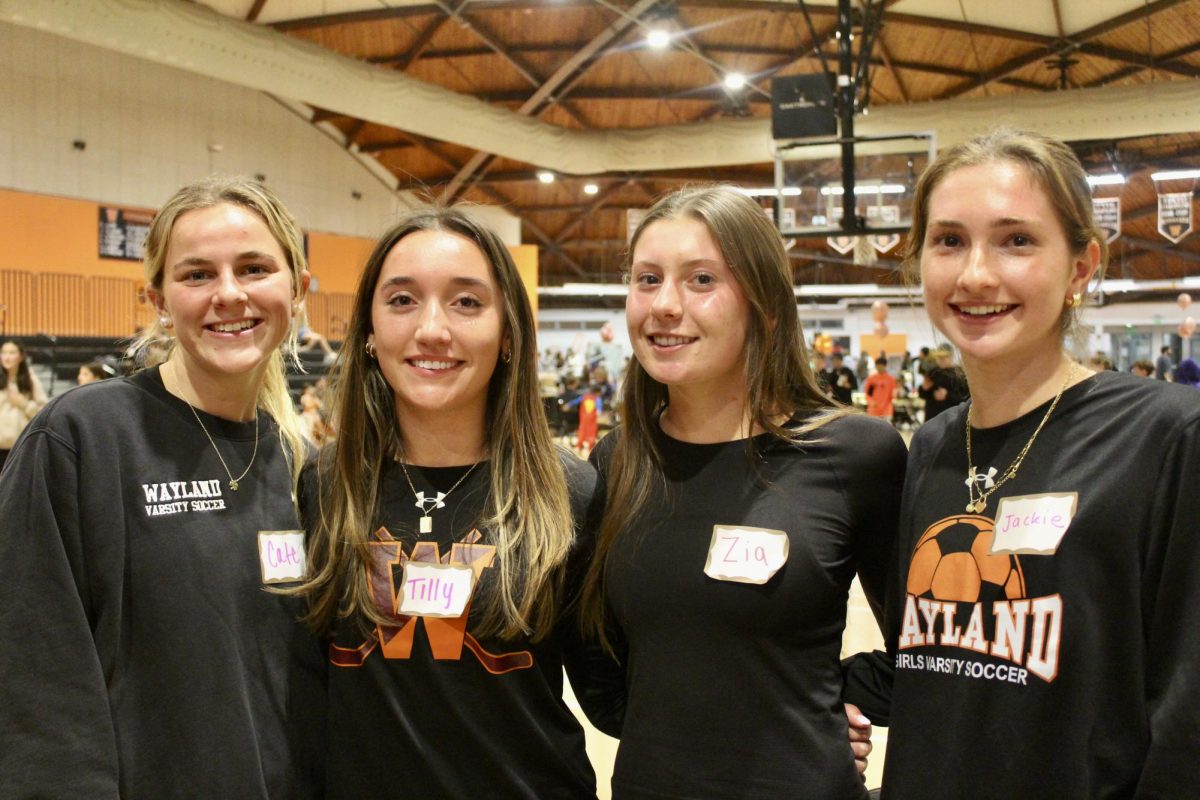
<point>879,310</point>
<point>1188,326</point>
<point>881,328</point>
<point>1184,300</point>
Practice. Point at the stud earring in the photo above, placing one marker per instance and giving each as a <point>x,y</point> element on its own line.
<point>506,356</point>
<point>165,321</point>
<point>1074,301</point>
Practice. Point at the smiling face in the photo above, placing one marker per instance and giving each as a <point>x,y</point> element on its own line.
<point>996,265</point>
<point>438,326</point>
<point>226,290</point>
<point>687,315</point>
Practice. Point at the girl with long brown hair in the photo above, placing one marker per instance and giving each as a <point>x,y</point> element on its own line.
<point>21,395</point>
<point>444,534</point>
<point>741,501</point>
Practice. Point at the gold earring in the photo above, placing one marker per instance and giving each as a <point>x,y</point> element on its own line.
<point>506,356</point>
<point>370,348</point>
<point>1074,301</point>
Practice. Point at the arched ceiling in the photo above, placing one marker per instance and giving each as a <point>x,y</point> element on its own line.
<point>469,99</point>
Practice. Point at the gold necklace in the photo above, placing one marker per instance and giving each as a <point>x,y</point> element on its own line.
<point>973,479</point>
<point>233,482</point>
<point>428,505</point>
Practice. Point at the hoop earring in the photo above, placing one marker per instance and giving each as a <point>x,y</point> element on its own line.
<point>370,348</point>
<point>506,356</point>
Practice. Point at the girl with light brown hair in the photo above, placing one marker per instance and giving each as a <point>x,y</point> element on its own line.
<point>741,502</point>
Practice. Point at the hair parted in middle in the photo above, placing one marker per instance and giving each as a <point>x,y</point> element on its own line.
<point>1054,168</point>
<point>780,382</point>
<point>528,516</point>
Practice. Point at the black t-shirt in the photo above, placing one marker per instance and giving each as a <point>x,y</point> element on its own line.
<point>950,379</point>
<point>1065,664</point>
<point>476,718</point>
<point>734,689</point>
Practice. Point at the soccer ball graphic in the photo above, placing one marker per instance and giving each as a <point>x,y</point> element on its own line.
<point>952,562</point>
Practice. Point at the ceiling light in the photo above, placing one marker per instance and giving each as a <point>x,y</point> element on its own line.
<point>734,81</point>
<point>590,188</point>
<point>545,176</point>
<point>1177,175</point>
<point>866,188</point>
<point>658,38</point>
<point>1113,179</point>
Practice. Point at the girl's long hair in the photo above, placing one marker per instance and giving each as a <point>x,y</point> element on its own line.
<point>273,394</point>
<point>780,382</point>
<point>528,513</point>
<point>24,378</point>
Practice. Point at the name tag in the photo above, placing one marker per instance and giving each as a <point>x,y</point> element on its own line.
<point>436,590</point>
<point>1033,524</point>
<point>281,555</point>
<point>745,555</point>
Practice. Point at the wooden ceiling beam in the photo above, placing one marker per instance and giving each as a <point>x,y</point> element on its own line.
<point>592,207</point>
<point>255,10</point>
<point>401,143</point>
<point>563,78</point>
<point>1165,247</point>
<point>1061,47</point>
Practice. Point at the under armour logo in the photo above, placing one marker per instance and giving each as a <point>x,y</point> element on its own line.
<point>437,502</point>
<point>987,480</point>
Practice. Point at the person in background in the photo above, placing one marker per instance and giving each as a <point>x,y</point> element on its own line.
<point>862,370</point>
<point>1163,365</point>
<point>146,519</point>
<point>1188,373</point>
<point>944,386</point>
<point>94,371</point>
<point>841,380</point>
<point>1046,634</point>
<point>21,396</point>
<point>741,502</point>
<point>1143,369</point>
<point>880,390</point>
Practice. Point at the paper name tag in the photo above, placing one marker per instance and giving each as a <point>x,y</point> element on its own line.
<point>745,555</point>
<point>1033,524</point>
<point>436,590</point>
<point>281,555</point>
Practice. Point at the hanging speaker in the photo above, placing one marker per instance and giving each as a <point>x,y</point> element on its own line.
<point>802,106</point>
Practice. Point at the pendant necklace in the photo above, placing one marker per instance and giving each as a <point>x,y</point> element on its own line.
<point>978,504</point>
<point>429,504</point>
<point>233,482</point>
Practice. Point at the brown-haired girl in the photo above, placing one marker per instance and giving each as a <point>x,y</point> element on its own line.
<point>1047,641</point>
<point>741,502</point>
<point>444,526</point>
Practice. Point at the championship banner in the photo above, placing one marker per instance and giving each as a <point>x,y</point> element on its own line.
<point>123,232</point>
<point>842,244</point>
<point>1175,215</point>
<point>1107,211</point>
<point>885,215</point>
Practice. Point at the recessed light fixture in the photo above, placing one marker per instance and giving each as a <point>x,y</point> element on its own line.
<point>1113,179</point>
<point>734,81</point>
<point>545,176</point>
<point>658,38</point>
<point>1176,175</point>
<point>591,188</point>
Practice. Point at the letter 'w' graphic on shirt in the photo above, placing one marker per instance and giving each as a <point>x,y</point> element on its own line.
<point>447,636</point>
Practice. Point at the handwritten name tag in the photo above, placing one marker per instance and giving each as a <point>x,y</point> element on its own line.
<point>281,555</point>
<point>1034,523</point>
<point>745,555</point>
<point>436,590</point>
